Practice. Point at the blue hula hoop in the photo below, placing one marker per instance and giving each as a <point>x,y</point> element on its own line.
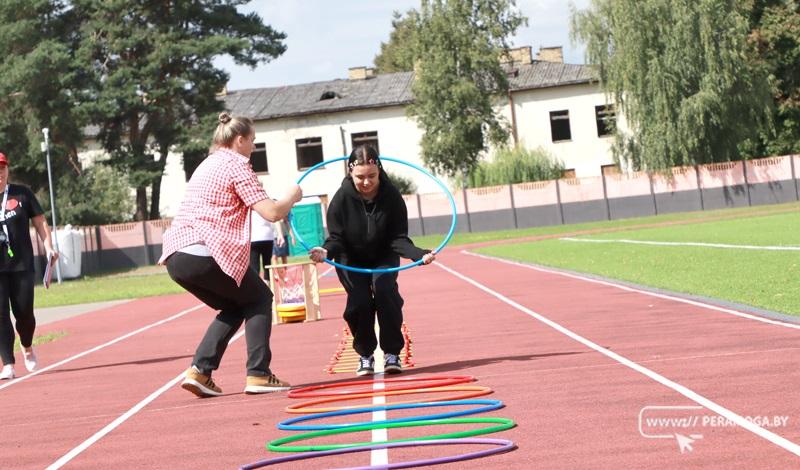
<point>382,270</point>
<point>489,405</point>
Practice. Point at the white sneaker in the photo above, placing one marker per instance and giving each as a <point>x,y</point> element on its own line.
<point>8,372</point>
<point>31,361</point>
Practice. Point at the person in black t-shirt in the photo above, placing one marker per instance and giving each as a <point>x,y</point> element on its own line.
<point>368,228</point>
<point>19,206</point>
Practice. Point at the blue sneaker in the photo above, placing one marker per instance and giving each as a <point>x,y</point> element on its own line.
<point>392,364</point>
<point>366,366</point>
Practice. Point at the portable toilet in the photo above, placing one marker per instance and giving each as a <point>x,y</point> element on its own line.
<point>307,216</point>
<point>70,248</point>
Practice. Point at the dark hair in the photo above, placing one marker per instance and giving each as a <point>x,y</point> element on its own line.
<point>364,155</point>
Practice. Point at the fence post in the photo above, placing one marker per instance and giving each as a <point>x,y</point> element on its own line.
<point>146,244</point>
<point>653,192</point>
<point>466,208</point>
<point>794,178</point>
<point>558,201</point>
<point>419,212</point>
<point>699,187</point>
<point>605,195</point>
<point>99,247</point>
<point>513,204</point>
<point>746,184</point>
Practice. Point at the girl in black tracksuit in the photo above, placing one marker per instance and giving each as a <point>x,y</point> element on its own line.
<point>368,228</point>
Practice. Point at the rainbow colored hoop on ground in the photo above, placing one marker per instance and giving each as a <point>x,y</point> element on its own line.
<point>382,270</point>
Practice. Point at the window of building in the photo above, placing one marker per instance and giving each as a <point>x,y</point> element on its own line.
<point>329,95</point>
<point>568,173</point>
<point>609,170</point>
<point>606,118</point>
<point>366,138</point>
<point>559,126</point>
<point>309,152</point>
<point>258,158</point>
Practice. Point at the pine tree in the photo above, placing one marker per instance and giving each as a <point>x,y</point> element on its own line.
<point>153,79</point>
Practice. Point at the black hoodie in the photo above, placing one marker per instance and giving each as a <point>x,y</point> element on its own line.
<point>369,232</point>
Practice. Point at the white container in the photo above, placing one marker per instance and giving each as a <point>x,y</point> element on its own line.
<point>70,248</point>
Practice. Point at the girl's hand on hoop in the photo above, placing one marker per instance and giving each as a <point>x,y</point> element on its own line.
<point>429,258</point>
<point>318,254</point>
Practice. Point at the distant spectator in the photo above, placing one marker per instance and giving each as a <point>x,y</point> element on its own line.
<point>19,206</point>
<point>262,237</point>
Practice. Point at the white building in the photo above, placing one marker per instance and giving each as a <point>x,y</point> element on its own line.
<point>552,105</point>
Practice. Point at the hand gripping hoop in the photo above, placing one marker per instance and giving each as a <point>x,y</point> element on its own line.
<point>382,270</point>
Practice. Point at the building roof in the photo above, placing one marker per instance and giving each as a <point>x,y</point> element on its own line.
<point>541,74</point>
<point>390,89</point>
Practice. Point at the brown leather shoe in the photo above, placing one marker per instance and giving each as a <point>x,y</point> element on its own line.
<point>267,384</point>
<point>200,384</point>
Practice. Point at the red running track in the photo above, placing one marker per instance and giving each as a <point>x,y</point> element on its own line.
<point>575,362</point>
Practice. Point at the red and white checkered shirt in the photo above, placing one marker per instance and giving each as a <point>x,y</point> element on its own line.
<point>215,211</point>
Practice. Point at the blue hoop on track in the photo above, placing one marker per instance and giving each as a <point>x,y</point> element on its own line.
<point>381,270</point>
<point>291,424</point>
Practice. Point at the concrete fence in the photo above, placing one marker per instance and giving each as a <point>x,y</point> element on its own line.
<point>565,201</point>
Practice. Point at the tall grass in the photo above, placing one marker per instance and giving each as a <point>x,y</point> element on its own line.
<point>516,166</point>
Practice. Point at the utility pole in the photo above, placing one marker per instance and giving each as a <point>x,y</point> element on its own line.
<point>46,148</point>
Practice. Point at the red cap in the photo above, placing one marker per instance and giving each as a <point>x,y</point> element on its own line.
<point>3,159</point>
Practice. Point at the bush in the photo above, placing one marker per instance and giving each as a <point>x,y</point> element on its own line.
<point>516,166</point>
<point>403,184</point>
<point>100,196</point>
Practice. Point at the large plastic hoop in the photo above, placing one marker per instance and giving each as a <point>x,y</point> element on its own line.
<point>500,424</point>
<point>504,446</point>
<point>326,390</point>
<point>382,270</point>
<point>488,405</point>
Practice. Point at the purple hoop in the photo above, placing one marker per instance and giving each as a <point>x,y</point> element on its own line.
<point>504,445</point>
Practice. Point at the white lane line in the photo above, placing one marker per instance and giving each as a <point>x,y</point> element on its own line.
<point>379,456</point>
<point>97,348</point>
<point>641,291</point>
<point>705,245</point>
<point>122,418</point>
<point>688,393</point>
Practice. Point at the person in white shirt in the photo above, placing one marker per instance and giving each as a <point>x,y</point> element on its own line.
<point>262,237</point>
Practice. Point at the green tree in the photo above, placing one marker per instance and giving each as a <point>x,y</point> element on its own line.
<point>153,80</point>
<point>397,55</point>
<point>681,72</point>
<point>39,89</point>
<point>459,78</point>
<point>775,26</point>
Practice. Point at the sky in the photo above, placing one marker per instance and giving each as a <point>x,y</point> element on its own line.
<point>327,37</point>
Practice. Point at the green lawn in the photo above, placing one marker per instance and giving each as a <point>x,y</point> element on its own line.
<point>764,279</point>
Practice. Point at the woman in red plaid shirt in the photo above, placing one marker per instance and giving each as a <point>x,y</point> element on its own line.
<point>207,252</point>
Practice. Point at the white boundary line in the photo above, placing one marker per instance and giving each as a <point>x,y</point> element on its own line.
<point>641,291</point>
<point>379,456</point>
<point>688,393</point>
<point>123,417</point>
<point>705,245</point>
<point>97,348</point>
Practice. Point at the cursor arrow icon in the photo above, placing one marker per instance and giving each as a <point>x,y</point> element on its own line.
<point>685,442</point>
